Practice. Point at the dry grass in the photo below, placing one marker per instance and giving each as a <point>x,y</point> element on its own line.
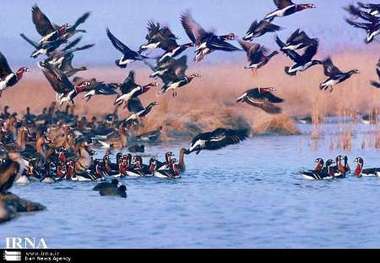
<point>209,102</point>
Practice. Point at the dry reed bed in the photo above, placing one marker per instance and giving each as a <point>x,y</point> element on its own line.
<point>209,102</point>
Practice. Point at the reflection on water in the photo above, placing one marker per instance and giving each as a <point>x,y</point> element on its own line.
<point>247,195</point>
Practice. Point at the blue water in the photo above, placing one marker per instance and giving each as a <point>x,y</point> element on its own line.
<point>244,196</point>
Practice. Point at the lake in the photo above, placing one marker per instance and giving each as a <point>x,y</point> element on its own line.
<point>244,196</point>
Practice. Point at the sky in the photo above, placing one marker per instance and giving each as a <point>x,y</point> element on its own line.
<point>127,20</point>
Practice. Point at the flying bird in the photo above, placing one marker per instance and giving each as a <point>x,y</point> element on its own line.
<point>257,55</point>
<point>262,98</point>
<point>334,74</point>
<point>372,28</point>
<point>217,139</point>
<point>130,89</point>
<point>204,41</point>
<point>258,29</point>
<point>286,8</point>
<point>92,87</point>
<point>376,84</point>
<point>129,55</point>
<point>64,88</point>
<point>8,78</point>
<point>301,62</point>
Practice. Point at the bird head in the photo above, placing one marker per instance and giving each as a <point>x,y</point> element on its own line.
<point>20,72</point>
<point>354,71</point>
<point>307,6</point>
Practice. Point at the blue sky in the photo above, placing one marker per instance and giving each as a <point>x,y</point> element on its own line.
<point>127,20</point>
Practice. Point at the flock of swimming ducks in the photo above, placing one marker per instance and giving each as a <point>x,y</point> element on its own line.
<point>57,145</point>
<point>339,169</point>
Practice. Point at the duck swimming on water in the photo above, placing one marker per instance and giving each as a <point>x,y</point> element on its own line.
<point>360,171</point>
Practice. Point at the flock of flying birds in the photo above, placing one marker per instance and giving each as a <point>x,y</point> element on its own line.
<point>57,46</point>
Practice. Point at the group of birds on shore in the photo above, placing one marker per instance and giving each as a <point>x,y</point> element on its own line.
<point>50,148</point>
<point>339,169</point>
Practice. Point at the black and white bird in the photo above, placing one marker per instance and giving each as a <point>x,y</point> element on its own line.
<point>162,37</point>
<point>262,98</point>
<point>335,75</point>
<point>64,88</point>
<point>129,55</point>
<point>370,23</point>
<point>258,29</point>
<point>298,40</point>
<point>8,78</point>
<point>130,89</point>
<point>286,8</point>
<point>301,62</point>
<point>372,28</point>
<point>157,36</point>
<point>62,59</point>
<point>217,139</point>
<point>205,42</point>
<point>257,55</point>
<point>92,87</point>
<point>52,35</point>
<point>139,111</point>
<point>173,74</point>
<point>376,84</point>
<point>372,9</point>
<point>360,171</point>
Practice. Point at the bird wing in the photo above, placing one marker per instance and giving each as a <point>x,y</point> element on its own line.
<point>378,72</point>
<point>265,106</point>
<point>5,70</point>
<point>117,43</point>
<point>364,26</point>
<point>268,26</point>
<point>134,105</point>
<point>375,84</point>
<point>128,84</point>
<point>329,68</point>
<point>105,88</point>
<point>290,53</point>
<point>252,27</point>
<point>297,37</point>
<point>281,4</point>
<point>193,30</point>
<point>220,44</point>
<point>72,44</point>
<point>179,67</point>
<point>223,137</point>
<point>271,97</point>
<point>311,51</point>
<point>31,42</point>
<point>153,29</point>
<point>81,20</point>
<point>249,47</point>
<point>354,11</point>
<point>41,21</point>
<point>57,79</point>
